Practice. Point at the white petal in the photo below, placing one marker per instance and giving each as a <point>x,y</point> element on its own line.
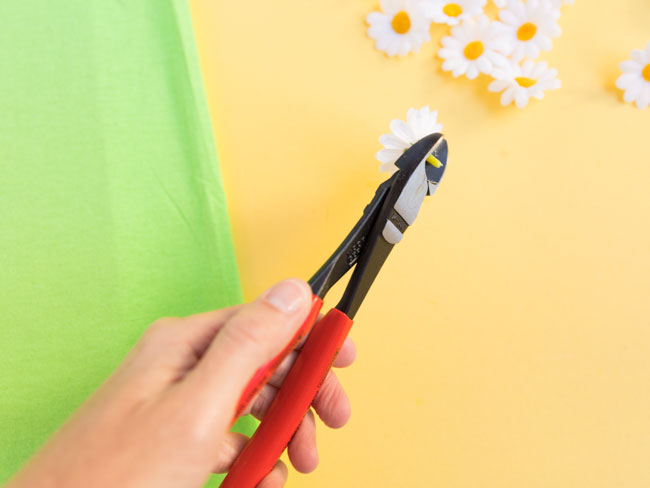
<point>451,42</point>
<point>507,97</point>
<point>446,53</point>
<point>388,168</point>
<point>413,119</point>
<point>534,51</point>
<point>638,56</point>
<point>518,8</point>
<point>521,98</point>
<point>459,32</point>
<point>508,17</point>
<point>375,17</point>
<point>538,70</point>
<point>630,66</point>
<point>404,48</point>
<point>451,64</point>
<point>544,42</point>
<point>402,130</point>
<point>496,30</point>
<point>501,73</point>
<point>383,43</point>
<point>632,92</point>
<point>503,46</point>
<point>497,59</point>
<point>626,80</point>
<point>391,141</point>
<point>392,48</point>
<point>483,64</point>
<point>388,155</point>
<point>379,30</point>
<point>554,30</point>
<point>460,69</point>
<point>472,71</point>
<point>518,53</point>
<point>643,99</point>
<point>428,8</point>
<point>388,5</point>
<point>498,85</point>
<point>482,22</point>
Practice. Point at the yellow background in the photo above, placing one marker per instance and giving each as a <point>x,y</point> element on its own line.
<point>507,341</point>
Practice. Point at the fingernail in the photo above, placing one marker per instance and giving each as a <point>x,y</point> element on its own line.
<point>286,296</point>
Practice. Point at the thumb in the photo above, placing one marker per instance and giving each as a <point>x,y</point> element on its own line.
<point>248,340</point>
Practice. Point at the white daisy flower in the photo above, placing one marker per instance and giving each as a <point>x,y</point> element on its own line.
<point>558,3</point>
<point>530,27</point>
<point>401,27</point>
<point>520,82</point>
<point>419,123</point>
<point>475,46</point>
<point>451,12</point>
<point>635,80</point>
<point>500,3</point>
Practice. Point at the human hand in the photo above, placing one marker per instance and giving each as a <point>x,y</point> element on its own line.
<point>162,418</point>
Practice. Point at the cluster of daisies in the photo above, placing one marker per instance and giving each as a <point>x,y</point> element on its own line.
<point>505,49</point>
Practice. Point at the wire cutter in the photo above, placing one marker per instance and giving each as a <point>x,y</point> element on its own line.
<point>394,207</point>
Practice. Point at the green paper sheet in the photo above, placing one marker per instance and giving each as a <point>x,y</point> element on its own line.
<point>112,212</point>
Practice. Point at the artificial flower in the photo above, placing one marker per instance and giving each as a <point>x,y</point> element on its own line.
<point>475,46</point>
<point>520,82</point>
<point>419,123</point>
<point>530,26</point>
<point>400,27</point>
<point>451,12</point>
<point>635,80</point>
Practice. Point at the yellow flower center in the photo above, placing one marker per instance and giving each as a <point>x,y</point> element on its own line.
<point>452,10</point>
<point>401,22</point>
<point>434,161</point>
<point>527,31</point>
<point>473,50</point>
<point>646,73</point>
<point>525,82</point>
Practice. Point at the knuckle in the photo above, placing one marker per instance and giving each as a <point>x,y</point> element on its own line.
<point>331,402</point>
<point>328,393</point>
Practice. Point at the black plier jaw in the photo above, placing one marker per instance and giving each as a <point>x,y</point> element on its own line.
<point>392,210</point>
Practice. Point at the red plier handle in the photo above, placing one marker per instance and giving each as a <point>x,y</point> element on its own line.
<point>291,403</point>
<point>264,374</point>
